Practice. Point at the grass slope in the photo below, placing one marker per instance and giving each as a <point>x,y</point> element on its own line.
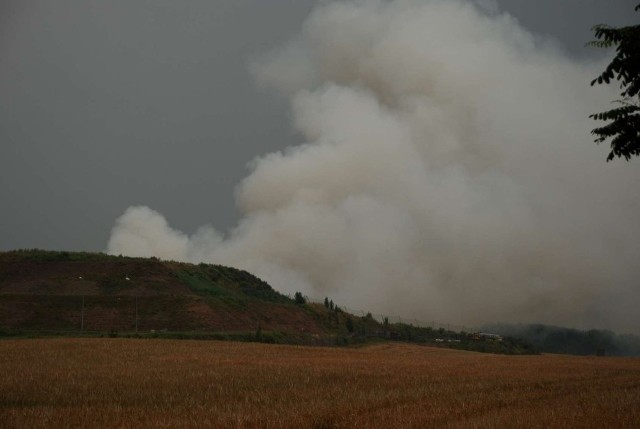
<point>79,293</point>
<point>42,290</point>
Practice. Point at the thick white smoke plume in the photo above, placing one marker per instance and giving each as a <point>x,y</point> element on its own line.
<point>448,174</point>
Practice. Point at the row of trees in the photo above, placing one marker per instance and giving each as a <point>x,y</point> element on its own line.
<point>556,339</point>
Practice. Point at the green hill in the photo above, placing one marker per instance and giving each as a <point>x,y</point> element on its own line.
<point>43,291</point>
<point>79,293</point>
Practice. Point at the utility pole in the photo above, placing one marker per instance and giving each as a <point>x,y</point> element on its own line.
<point>136,314</point>
<point>82,315</point>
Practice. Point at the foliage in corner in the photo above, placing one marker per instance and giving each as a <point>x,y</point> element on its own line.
<point>624,121</point>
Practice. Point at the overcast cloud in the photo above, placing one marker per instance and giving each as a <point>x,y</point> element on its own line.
<point>105,104</point>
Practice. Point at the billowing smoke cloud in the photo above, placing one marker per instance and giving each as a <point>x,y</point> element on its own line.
<point>448,175</point>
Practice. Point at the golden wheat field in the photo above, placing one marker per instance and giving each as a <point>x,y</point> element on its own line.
<point>134,383</point>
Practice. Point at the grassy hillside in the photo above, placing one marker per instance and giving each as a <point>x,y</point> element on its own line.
<point>68,291</point>
<point>78,293</point>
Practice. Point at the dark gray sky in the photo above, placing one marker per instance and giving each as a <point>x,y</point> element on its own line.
<point>107,104</point>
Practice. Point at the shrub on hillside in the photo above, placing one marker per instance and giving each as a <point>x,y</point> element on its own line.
<point>299,298</point>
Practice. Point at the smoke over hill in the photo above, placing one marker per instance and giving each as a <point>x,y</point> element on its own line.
<point>447,174</point>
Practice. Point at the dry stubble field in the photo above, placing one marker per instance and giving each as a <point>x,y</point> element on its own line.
<point>129,383</point>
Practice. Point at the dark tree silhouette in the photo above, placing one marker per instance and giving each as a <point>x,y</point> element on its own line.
<point>624,121</point>
<point>299,298</point>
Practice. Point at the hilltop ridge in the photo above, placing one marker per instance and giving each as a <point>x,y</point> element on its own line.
<point>80,293</point>
<point>45,290</point>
